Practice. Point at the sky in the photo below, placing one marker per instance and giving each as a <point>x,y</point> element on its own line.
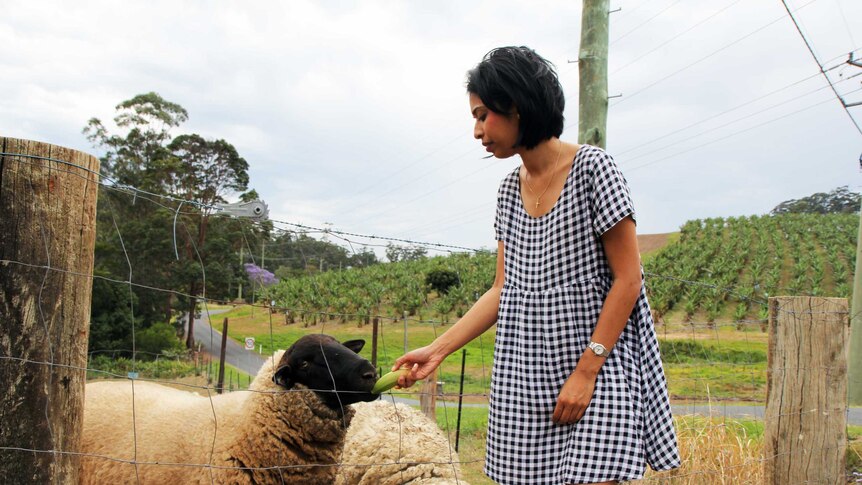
<point>353,116</point>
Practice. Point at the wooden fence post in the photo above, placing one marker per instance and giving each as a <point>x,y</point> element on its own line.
<point>428,396</point>
<point>220,382</point>
<point>805,431</point>
<point>47,236</point>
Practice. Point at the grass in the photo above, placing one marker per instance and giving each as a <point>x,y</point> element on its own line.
<point>243,324</point>
<point>709,364</point>
<point>702,364</point>
<point>713,451</point>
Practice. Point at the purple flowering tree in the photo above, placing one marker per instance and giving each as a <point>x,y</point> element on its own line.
<point>259,276</point>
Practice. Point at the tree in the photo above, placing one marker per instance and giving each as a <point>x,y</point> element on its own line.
<point>137,157</point>
<point>160,246</point>
<point>395,253</point>
<point>840,200</point>
<point>441,280</point>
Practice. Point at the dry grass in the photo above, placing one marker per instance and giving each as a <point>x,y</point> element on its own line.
<point>713,451</point>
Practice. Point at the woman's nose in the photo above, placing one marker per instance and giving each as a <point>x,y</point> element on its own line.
<point>477,131</point>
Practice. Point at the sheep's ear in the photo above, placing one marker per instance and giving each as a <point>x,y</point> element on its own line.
<point>283,376</point>
<point>354,345</point>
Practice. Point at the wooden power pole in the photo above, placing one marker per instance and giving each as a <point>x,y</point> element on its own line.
<point>593,72</point>
<point>47,237</point>
<point>854,374</point>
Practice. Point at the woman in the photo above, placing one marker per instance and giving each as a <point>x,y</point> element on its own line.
<point>578,394</point>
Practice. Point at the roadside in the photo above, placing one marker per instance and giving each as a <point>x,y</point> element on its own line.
<point>248,361</point>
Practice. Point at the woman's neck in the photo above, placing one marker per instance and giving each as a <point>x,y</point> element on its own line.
<point>542,158</point>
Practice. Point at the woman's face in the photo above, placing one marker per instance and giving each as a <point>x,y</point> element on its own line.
<point>498,132</point>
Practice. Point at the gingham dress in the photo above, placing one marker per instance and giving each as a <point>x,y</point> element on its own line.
<point>557,278</point>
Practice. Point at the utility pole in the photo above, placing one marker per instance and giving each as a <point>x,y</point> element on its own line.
<point>854,363</point>
<point>263,254</point>
<point>593,73</point>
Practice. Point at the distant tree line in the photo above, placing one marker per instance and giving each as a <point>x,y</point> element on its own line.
<point>839,201</point>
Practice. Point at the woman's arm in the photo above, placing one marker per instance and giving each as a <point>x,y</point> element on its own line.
<point>481,316</point>
<point>621,248</point>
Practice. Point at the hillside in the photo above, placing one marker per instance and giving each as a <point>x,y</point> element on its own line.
<point>725,269</point>
<point>649,244</point>
<point>718,269</point>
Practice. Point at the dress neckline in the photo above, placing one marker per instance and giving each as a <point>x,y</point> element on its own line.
<point>562,191</point>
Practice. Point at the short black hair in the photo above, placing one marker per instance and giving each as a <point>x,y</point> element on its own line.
<point>518,78</point>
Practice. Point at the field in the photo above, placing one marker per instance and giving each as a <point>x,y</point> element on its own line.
<point>708,286</point>
<point>717,366</point>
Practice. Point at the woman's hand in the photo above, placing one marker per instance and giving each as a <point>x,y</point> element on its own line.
<point>575,397</point>
<point>421,361</point>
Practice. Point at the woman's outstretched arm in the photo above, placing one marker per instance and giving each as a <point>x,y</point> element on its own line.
<point>481,316</point>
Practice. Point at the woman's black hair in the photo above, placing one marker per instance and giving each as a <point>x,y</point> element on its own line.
<point>518,78</point>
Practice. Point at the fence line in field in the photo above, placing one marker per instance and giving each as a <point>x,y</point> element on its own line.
<point>695,327</point>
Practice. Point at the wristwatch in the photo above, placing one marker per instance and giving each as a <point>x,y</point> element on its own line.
<point>599,349</point>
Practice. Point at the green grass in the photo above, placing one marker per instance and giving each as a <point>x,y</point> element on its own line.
<point>106,367</point>
<point>725,364</point>
<point>390,344</point>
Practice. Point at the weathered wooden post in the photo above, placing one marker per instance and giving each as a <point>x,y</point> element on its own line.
<point>220,382</point>
<point>805,431</point>
<point>47,235</point>
<point>428,396</point>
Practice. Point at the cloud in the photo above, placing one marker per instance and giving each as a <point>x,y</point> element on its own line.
<point>354,113</point>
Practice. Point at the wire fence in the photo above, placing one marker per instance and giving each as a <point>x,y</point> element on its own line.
<point>717,370</point>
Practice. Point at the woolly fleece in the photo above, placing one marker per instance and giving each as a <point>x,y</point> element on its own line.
<point>178,437</point>
<point>394,444</point>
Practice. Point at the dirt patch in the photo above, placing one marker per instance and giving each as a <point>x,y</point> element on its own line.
<point>650,243</point>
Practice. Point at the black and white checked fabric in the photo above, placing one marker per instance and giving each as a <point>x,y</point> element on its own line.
<point>557,278</point>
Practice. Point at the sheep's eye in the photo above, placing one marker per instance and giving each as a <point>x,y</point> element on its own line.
<point>303,365</point>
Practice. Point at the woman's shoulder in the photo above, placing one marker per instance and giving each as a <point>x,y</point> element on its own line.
<point>591,158</point>
<point>511,181</point>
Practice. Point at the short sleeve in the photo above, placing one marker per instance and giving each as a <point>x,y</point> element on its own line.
<point>501,224</point>
<point>505,196</point>
<point>611,199</point>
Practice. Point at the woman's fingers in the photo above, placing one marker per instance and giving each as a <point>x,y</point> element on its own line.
<point>408,379</point>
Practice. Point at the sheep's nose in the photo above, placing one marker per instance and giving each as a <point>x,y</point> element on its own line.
<point>370,375</point>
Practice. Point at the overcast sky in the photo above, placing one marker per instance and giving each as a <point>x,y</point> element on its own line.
<point>354,114</point>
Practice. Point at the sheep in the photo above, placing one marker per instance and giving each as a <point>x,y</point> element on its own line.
<point>394,444</point>
<point>140,432</point>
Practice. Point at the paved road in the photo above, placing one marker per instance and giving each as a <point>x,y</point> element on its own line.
<point>248,361</point>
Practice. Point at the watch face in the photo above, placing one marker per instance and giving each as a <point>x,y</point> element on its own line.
<point>599,349</point>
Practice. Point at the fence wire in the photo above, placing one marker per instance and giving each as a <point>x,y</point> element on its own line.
<point>718,448</point>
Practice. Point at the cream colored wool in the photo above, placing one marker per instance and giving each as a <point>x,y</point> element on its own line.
<point>394,444</point>
<point>171,436</point>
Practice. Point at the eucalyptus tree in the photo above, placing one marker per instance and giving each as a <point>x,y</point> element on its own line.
<point>161,242</point>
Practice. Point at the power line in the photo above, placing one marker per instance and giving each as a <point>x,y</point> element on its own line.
<point>644,23</point>
<point>729,136</point>
<point>846,25</point>
<point>820,66</point>
<point>702,59</point>
<point>698,24</point>
<point>739,106</point>
<point>737,120</point>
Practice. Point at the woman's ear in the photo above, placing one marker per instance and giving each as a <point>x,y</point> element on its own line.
<point>283,377</point>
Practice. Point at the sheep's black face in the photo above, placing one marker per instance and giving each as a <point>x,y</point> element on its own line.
<point>334,370</point>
